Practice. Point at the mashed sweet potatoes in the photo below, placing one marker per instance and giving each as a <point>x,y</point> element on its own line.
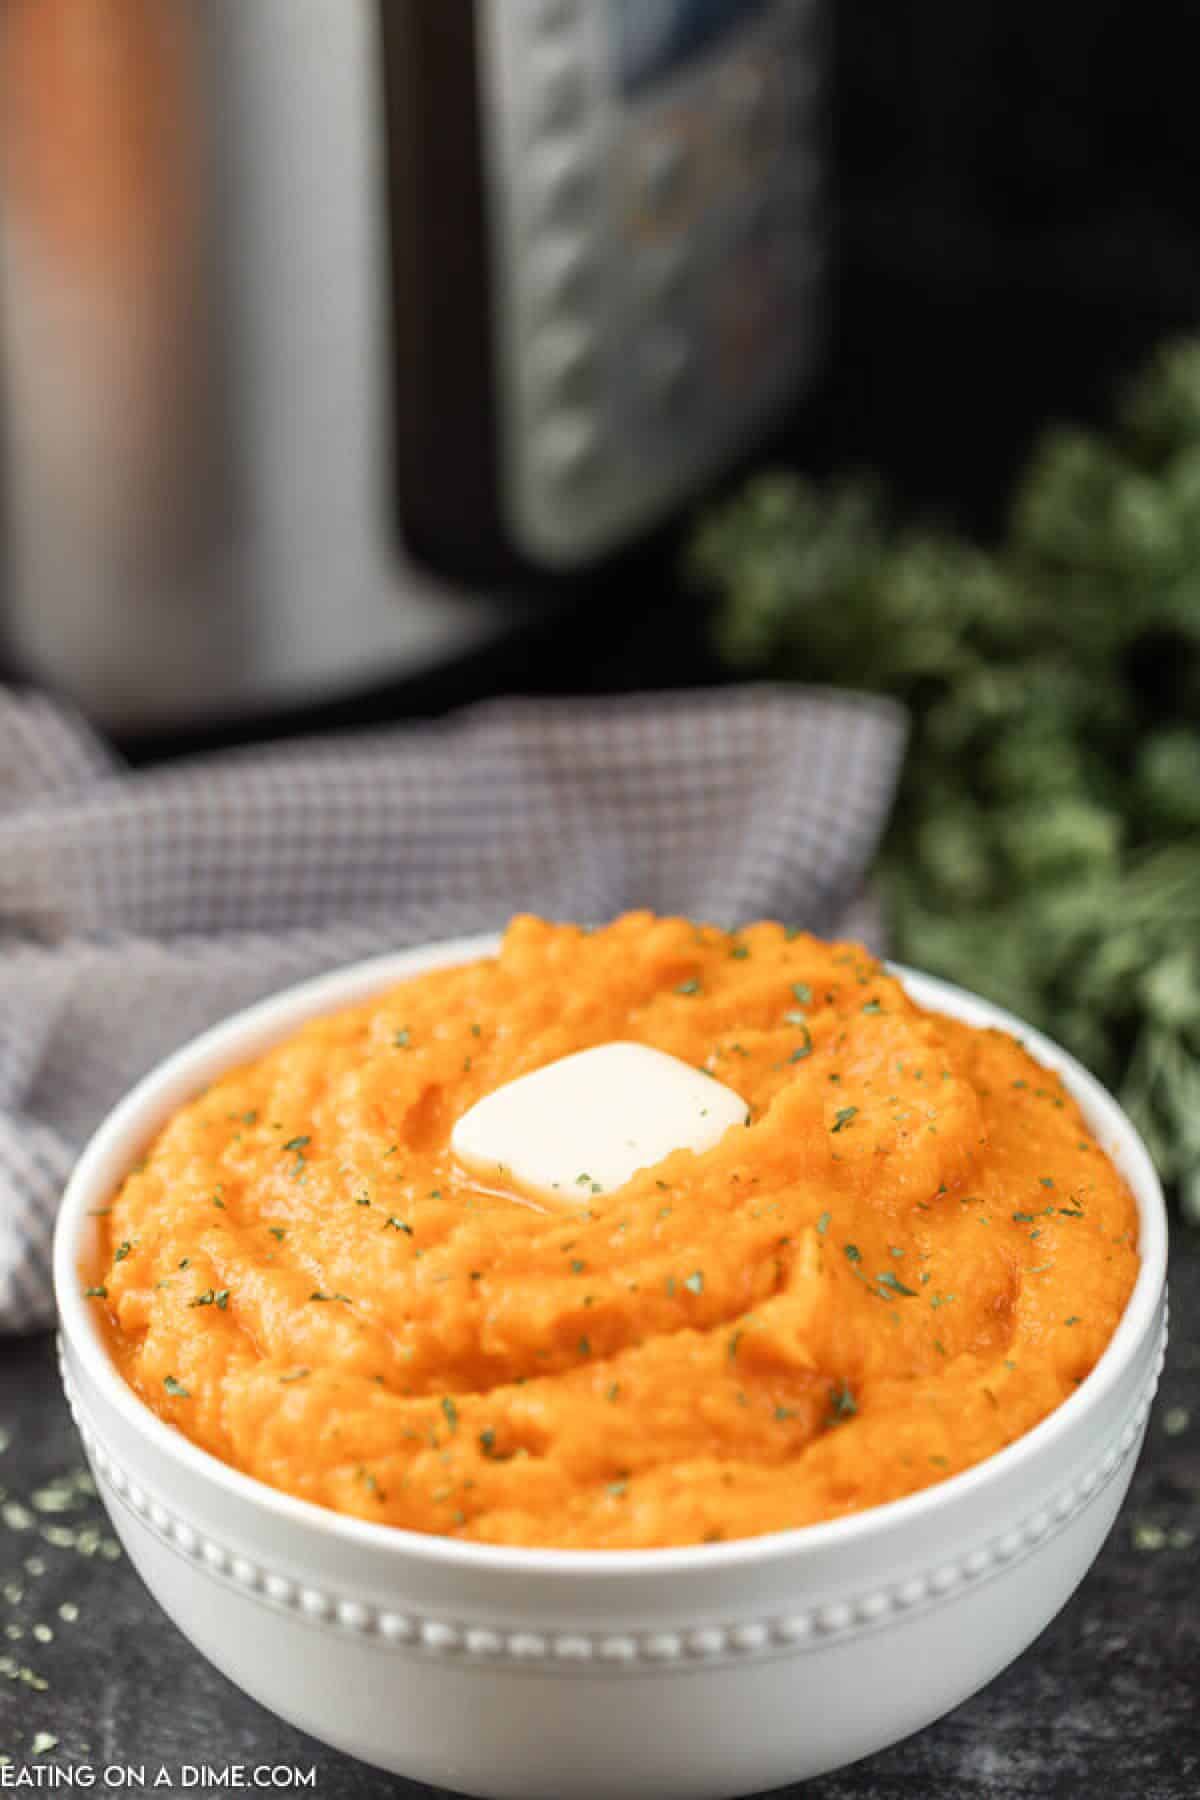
<point>912,1253</point>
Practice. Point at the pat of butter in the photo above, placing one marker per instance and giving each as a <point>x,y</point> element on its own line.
<point>585,1124</point>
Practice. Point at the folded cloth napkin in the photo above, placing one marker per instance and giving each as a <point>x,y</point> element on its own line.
<point>138,907</point>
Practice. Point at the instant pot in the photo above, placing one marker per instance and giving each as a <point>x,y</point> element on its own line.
<point>337,337</point>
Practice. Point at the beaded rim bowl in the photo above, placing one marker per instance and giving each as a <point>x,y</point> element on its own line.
<point>313,1589</point>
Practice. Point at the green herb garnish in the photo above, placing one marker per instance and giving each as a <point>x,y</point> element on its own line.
<point>894,1286</point>
<point>842,1404</point>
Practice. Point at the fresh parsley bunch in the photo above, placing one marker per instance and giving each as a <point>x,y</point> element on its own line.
<point>1045,848</point>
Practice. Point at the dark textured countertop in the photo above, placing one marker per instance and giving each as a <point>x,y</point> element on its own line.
<point>1104,1703</point>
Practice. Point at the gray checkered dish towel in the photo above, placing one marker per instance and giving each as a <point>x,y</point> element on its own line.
<point>138,908</point>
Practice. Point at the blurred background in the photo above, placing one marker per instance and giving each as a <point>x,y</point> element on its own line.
<point>361,358</point>
<point>357,352</point>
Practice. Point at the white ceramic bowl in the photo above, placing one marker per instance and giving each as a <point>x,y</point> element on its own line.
<point>681,1674</point>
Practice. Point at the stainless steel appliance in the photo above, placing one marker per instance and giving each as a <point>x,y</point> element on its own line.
<point>328,326</point>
